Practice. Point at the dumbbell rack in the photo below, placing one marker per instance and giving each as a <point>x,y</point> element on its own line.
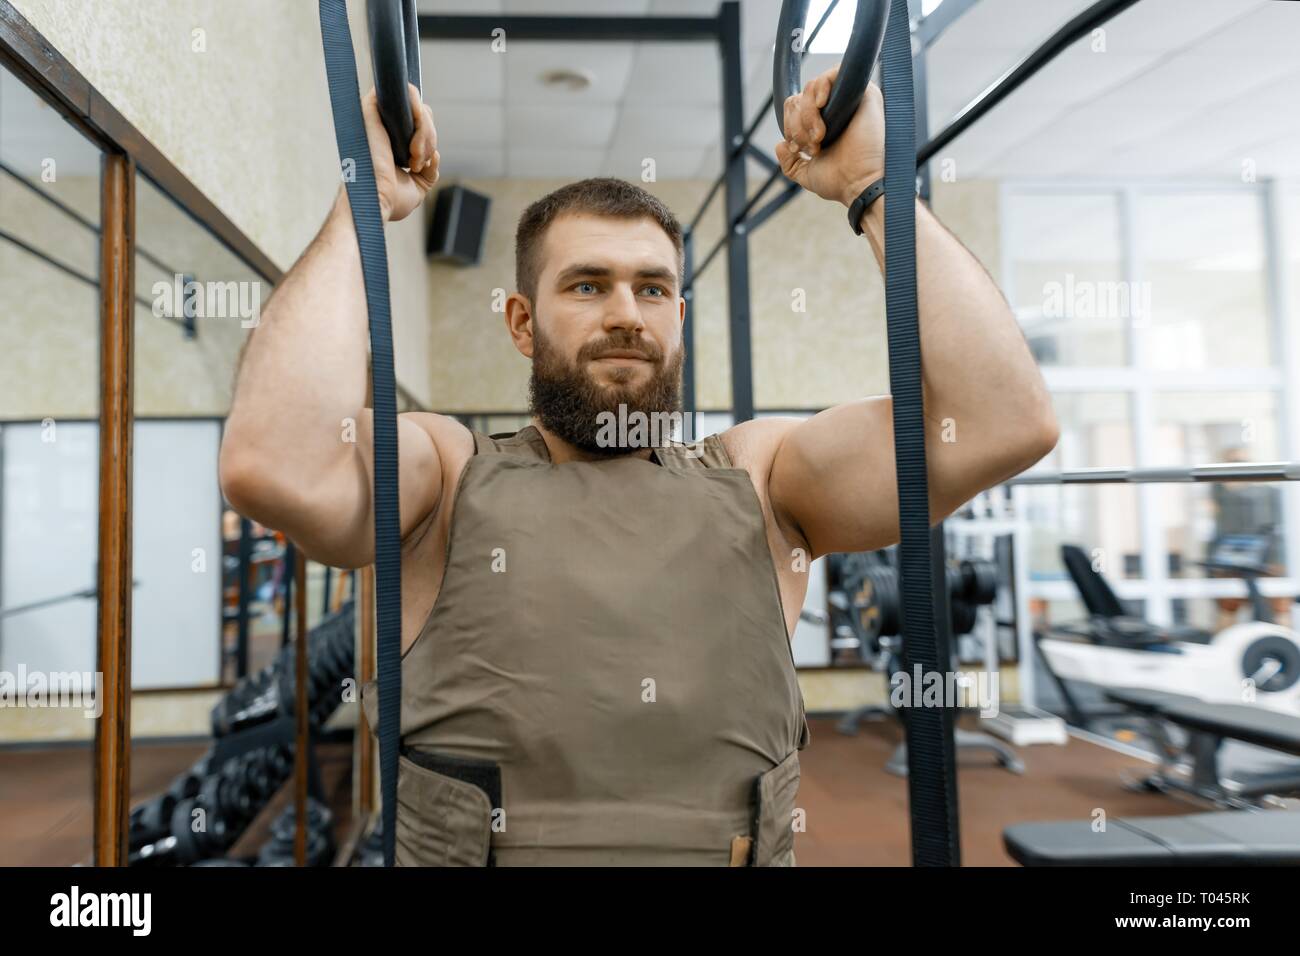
<point>282,730</point>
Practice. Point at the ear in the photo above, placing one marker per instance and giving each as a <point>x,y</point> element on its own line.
<point>519,323</point>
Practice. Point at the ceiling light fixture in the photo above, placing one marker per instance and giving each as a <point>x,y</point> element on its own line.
<point>568,79</point>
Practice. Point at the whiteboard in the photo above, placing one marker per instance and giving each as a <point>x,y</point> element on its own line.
<point>176,606</point>
<point>48,533</point>
<point>49,524</point>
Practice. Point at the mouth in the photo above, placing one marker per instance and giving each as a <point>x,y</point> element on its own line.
<point>622,357</point>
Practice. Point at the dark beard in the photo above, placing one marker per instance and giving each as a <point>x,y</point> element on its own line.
<point>569,402</point>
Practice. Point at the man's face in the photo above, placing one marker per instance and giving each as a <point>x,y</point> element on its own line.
<point>606,327</point>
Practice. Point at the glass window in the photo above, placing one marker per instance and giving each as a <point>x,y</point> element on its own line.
<point>49,467</point>
<point>1201,261</point>
<point>1066,277</point>
<point>1096,429</point>
<point>1201,427</point>
<point>1215,614</point>
<point>196,303</point>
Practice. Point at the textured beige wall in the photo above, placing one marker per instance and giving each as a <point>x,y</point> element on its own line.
<point>233,92</point>
<point>831,352</point>
<point>246,117</point>
<point>49,332</point>
<point>49,341</point>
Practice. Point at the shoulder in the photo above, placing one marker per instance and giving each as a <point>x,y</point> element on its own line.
<point>449,436</point>
<point>753,445</point>
<point>451,442</point>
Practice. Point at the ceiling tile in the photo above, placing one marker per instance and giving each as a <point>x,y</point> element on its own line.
<point>462,69</point>
<point>571,7</point>
<point>472,162</point>
<point>1007,26</point>
<point>1154,26</point>
<point>560,127</point>
<point>687,73</point>
<point>609,65</point>
<point>647,128</point>
<point>468,124</point>
<point>528,162</point>
<point>1271,28</point>
<point>629,164</point>
<point>459,6</point>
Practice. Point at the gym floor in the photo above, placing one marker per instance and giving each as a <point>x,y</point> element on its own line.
<point>1138,213</point>
<point>856,812</point>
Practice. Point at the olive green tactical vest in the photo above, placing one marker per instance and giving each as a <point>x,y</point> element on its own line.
<point>605,678</point>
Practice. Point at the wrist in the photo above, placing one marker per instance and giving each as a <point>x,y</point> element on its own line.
<point>855,188</point>
<point>343,206</point>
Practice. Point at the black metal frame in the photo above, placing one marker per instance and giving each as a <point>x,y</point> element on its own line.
<point>722,29</point>
<point>926,30</point>
<point>743,213</point>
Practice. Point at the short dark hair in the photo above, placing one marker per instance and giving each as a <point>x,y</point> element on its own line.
<point>600,196</point>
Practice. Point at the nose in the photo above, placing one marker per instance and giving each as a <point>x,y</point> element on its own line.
<point>622,311</point>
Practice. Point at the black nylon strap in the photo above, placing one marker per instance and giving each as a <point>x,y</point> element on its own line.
<point>363,195</point>
<point>931,765</point>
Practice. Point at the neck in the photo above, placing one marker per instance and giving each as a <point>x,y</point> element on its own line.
<point>562,451</point>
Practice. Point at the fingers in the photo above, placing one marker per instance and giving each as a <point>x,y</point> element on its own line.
<point>376,134</point>
<point>428,174</point>
<point>823,83</point>
<point>804,127</point>
<point>795,134</point>
<point>424,140</point>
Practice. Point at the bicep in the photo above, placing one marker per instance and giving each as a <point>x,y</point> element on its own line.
<point>836,488</point>
<point>834,477</point>
<point>341,530</point>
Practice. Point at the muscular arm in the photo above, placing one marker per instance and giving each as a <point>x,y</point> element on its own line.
<point>988,413</point>
<point>297,450</point>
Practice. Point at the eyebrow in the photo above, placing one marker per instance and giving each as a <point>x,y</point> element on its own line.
<point>584,270</point>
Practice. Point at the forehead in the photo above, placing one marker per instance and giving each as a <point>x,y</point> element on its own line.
<point>574,237</point>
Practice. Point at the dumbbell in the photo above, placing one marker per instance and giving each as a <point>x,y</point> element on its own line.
<point>190,845</point>
<point>151,821</point>
<point>279,850</point>
<point>979,581</point>
<point>234,707</point>
<point>187,784</point>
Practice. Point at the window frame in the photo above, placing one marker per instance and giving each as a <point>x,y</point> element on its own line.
<point>1141,384</point>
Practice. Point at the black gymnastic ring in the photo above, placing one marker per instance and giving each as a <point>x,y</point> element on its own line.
<point>855,69</point>
<point>395,59</point>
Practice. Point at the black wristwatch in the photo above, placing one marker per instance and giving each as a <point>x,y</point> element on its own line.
<point>859,206</point>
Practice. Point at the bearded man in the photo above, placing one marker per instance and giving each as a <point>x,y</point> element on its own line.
<point>596,632</point>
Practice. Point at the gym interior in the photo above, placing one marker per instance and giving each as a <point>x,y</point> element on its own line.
<point>1120,618</point>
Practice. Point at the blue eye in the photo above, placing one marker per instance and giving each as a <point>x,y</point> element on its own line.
<point>589,285</point>
<point>658,288</point>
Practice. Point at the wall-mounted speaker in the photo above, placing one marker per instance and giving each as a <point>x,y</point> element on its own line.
<point>459,226</point>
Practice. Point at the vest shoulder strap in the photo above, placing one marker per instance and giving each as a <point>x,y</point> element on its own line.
<point>525,443</point>
<point>707,452</point>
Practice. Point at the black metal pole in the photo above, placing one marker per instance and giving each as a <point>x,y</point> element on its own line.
<point>325,593</point>
<point>688,338</point>
<point>288,563</point>
<point>245,569</point>
<point>510,27</point>
<point>733,122</point>
<point>732,149</point>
